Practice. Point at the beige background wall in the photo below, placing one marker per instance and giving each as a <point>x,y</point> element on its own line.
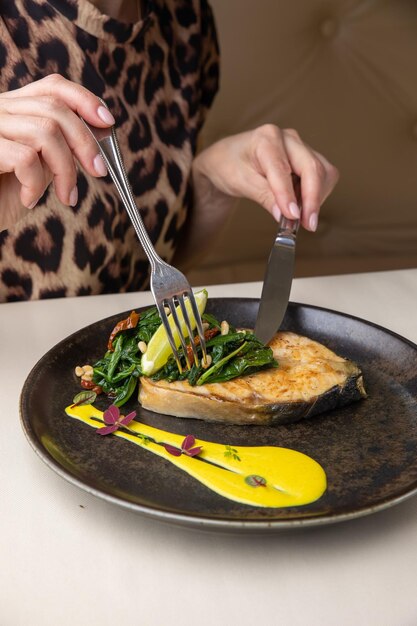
<point>344,74</point>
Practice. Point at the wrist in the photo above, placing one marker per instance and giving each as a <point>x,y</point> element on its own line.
<point>200,167</point>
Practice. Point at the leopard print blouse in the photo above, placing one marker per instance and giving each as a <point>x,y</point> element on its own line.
<point>159,77</point>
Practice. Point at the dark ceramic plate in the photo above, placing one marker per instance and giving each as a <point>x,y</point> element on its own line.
<point>368,449</point>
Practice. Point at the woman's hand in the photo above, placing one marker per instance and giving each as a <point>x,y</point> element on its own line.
<point>260,165</point>
<point>41,135</point>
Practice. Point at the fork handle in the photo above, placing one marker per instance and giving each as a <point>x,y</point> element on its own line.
<point>110,152</point>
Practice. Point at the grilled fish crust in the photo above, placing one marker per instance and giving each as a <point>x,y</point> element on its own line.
<point>310,379</point>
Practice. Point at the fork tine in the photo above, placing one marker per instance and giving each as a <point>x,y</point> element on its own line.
<point>200,330</point>
<point>172,308</point>
<point>170,336</point>
<point>184,311</point>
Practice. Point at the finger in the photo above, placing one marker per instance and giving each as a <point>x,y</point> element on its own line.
<point>25,163</point>
<point>76,97</point>
<point>312,174</point>
<point>318,177</point>
<point>45,137</point>
<point>332,175</point>
<point>317,182</point>
<point>76,135</point>
<point>256,187</point>
<point>331,172</point>
<point>274,164</point>
<point>312,184</point>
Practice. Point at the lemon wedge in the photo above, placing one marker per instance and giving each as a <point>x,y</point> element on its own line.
<point>159,350</point>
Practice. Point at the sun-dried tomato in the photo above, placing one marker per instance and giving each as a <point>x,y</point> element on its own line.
<point>129,322</point>
<point>87,384</point>
<point>208,334</point>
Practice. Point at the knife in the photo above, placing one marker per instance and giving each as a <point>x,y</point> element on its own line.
<point>277,282</point>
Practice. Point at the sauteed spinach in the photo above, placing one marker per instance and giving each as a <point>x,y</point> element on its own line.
<point>233,354</point>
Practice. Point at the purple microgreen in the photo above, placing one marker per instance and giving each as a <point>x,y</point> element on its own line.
<point>126,420</point>
<point>172,450</point>
<point>193,451</point>
<point>188,442</point>
<point>255,481</point>
<point>186,447</point>
<point>106,430</point>
<point>114,420</point>
<point>111,415</point>
<point>84,397</point>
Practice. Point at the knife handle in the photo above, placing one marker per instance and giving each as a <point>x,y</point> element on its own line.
<point>287,228</point>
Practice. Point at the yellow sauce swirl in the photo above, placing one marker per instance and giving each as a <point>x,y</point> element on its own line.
<point>289,478</point>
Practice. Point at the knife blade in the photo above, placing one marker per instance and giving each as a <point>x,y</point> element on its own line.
<point>277,282</point>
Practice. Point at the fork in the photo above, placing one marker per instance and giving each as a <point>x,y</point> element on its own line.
<point>169,286</point>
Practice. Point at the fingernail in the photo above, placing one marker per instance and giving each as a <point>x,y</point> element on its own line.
<point>105,115</point>
<point>99,165</point>
<point>276,212</point>
<point>32,206</point>
<point>294,210</point>
<point>73,197</point>
<point>312,222</point>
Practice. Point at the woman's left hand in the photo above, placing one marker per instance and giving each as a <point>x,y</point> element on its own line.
<point>260,165</point>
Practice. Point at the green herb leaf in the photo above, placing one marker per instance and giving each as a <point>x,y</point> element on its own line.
<point>255,481</point>
<point>231,453</point>
<point>84,397</point>
<point>125,392</point>
<point>211,320</point>
<point>248,360</point>
<point>211,371</point>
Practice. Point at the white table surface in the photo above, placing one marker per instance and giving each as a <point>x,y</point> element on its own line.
<point>69,558</point>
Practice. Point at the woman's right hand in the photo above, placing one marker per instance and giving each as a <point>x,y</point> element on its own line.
<point>41,135</point>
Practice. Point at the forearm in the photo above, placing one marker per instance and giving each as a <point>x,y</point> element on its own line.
<point>211,210</point>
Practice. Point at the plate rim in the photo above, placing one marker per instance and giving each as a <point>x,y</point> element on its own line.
<point>201,521</point>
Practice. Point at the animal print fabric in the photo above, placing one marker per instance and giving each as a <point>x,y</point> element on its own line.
<point>159,77</point>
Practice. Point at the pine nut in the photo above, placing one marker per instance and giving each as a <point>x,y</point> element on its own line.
<point>88,377</point>
<point>224,327</point>
<point>142,346</point>
<point>205,326</point>
<point>79,371</point>
<point>88,369</point>
<point>205,364</point>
